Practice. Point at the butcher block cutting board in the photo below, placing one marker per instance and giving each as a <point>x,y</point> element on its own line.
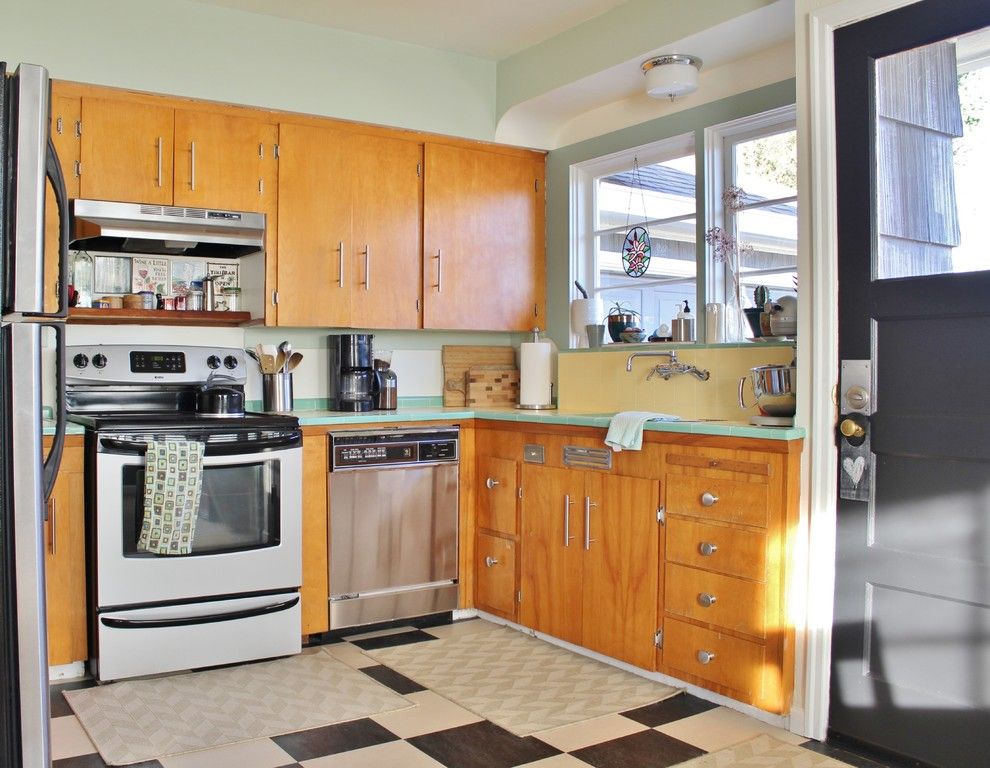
<point>492,385</point>
<point>458,359</point>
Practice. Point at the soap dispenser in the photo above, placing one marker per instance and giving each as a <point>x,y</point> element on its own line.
<point>683,324</point>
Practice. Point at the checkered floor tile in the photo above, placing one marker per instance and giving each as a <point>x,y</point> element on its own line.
<point>439,733</point>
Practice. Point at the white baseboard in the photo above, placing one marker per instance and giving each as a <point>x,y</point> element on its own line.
<point>67,671</point>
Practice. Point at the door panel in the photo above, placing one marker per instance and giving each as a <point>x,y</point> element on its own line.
<point>497,494</point>
<point>551,571</point>
<point>911,638</point>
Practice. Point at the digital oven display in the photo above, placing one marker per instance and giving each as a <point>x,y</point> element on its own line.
<point>158,362</point>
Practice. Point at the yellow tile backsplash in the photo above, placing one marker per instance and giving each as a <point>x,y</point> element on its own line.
<point>597,382</point>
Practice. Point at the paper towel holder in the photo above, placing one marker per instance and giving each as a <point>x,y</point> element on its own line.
<point>548,406</point>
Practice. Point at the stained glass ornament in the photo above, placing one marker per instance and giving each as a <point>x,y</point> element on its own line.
<point>636,252</point>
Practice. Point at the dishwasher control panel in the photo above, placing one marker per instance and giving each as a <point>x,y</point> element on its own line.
<point>354,450</point>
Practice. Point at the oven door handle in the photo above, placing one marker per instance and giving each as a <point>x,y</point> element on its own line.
<point>247,447</point>
<point>212,618</point>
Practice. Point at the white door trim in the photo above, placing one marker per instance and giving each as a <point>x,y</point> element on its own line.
<point>818,352</point>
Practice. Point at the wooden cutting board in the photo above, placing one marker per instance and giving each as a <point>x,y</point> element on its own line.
<point>458,359</point>
<point>492,385</point>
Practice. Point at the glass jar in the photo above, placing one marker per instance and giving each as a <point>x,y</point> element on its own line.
<point>232,296</point>
<point>195,297</point>
<point>82,278</point>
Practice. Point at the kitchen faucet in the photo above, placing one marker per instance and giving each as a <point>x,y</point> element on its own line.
<point>672,368</point>
<point>671,354</point>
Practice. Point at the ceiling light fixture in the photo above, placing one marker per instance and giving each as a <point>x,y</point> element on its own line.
<point>671,74</point>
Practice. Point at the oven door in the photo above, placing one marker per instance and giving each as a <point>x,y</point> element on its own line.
<point>248,527</point>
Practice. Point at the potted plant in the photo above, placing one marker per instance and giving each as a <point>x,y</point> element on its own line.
<point>619,318</point>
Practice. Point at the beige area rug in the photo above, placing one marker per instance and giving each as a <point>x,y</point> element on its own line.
<point>139,720</point>
<point>764,752</point>
<point>519,682</point>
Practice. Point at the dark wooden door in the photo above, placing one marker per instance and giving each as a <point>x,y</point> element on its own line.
<point>911,635</point>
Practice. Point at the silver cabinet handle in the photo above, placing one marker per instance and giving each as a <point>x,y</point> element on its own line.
<point>439,270</point>
<point>51,525</point>
<point>706,600</point>
<point>705,657</point>
<point>491,561</point>
<point>158,180</point>
<point>367,267</point>
<point>192,165</point>
<point>707,548</point>
<point>340,264</point>
<point>567,520</point>
<point>707,499</point>
<point>588,504</point>
<point>491,482</point>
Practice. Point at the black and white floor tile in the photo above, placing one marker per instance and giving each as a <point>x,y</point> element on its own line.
<point>438,733</point>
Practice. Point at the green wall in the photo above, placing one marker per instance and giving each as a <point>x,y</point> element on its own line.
<point>207,52</point>
<point>559,287</point>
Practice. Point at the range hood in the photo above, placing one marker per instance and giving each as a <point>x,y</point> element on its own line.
<point>99,225</point>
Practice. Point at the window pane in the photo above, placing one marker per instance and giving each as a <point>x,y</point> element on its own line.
<point>660,191</point>
<point>767,167</point>
<point>933,151</point>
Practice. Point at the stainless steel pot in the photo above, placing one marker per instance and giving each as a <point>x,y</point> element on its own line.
<point>774,387</point>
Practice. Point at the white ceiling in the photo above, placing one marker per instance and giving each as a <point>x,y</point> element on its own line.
<point>487,29</point>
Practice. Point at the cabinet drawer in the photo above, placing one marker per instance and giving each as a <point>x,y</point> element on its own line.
<point>496,575</point>
<point>734,663</point>
<point>731,551</point>
<point>737,605</point>
<point>717,499</point>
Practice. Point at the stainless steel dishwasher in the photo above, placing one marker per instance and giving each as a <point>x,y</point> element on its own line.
<point>393,524</point>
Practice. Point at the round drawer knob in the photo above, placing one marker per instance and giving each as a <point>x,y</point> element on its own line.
<point>707,548</point>
<point>491,561</point>
<point>491,482</point>
<point>706,600</point>
<point>707,499</point>
<point>706,657</point>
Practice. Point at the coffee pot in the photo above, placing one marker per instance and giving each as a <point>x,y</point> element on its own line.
<point>353,383</point>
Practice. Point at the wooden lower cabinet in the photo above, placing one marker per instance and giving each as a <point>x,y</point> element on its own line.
<point>315,591</point>
<point>590,551</point>
<point>65,559</point>
<point>495,575</point>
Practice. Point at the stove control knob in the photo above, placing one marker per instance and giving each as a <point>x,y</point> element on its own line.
<point>80,360</point>
<point>213,361</point>
<point>230,362</point>
<point>100,360</point>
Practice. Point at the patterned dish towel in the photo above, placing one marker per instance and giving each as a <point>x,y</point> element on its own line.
<point>173,480</point>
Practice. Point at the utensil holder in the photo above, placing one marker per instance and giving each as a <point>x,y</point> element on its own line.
<point>276,392</point>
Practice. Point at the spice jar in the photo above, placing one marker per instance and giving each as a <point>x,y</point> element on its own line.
<point>194,301</point>
<point>232,296</point>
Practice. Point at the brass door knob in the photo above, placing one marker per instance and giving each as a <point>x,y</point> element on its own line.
<point>851,428</point>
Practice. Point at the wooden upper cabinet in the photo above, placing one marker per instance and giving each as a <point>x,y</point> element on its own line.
<point>126,151</point>
<point>483,242</point>
<point>315,273</point>
<point>386,239</point>
<point>225,161</point>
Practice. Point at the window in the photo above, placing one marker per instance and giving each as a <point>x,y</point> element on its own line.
<point>653,187</point>
<point>753,198</point>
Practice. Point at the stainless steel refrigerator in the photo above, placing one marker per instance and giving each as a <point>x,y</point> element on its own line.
<point>27,163</point>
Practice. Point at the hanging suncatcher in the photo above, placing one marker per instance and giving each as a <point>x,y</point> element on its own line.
<point>636,246</point>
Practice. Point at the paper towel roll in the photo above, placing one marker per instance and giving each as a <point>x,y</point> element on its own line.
<point>535,374</point>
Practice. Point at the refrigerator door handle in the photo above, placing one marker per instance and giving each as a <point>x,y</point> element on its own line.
<point>54,457</point>
<point>53,170</point>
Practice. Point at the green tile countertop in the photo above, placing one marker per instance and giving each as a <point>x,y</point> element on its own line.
<point>570,418</point>
<point>48,428</point>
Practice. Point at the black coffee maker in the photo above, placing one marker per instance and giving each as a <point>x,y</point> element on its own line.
<point>353,383</point>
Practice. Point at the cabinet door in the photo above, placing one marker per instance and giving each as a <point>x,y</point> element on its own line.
<point>225,161</point>
<point>387,239</point>
<point>315,589</point>
<point>496,576</point>
<point>314,233</point>
<point>65,563</point>
<point>126,151</point>
<point>550,578</point>
<point>621,567</point>
<point>65,117</point>
<point>497,494</point>
<point>483,259</point>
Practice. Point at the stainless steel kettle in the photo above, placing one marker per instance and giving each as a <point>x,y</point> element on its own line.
<point>774,387</point>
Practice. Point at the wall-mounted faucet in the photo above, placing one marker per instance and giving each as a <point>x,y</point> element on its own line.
<point>671,354</point>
